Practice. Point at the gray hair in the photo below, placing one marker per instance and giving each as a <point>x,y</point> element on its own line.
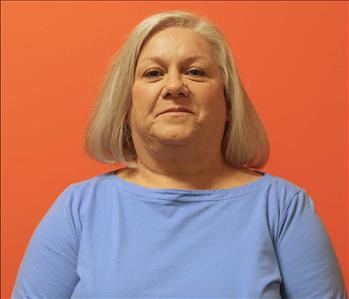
<point>108,138</point>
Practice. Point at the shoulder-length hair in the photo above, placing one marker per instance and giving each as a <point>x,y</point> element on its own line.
<point>108,138</point>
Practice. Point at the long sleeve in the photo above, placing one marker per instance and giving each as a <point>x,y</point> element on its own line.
<point>307,260</point>
<point>48,268</point>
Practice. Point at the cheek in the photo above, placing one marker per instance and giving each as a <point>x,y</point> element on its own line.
<point>213,101</point>
<point>143,98</point>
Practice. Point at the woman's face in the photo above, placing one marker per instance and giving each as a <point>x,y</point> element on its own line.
<point>178,92</point>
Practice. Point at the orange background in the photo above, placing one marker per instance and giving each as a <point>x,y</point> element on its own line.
<point>292,57</point>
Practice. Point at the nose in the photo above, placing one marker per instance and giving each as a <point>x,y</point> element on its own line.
<point>174,86</point>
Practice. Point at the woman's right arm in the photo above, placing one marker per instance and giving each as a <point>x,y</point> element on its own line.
<point>48,268</point>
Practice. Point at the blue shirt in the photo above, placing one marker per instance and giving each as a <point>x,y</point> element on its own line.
<point>109,238</point>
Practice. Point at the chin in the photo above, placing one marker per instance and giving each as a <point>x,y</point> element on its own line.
<point>176,138</point>
<point>174,142</point>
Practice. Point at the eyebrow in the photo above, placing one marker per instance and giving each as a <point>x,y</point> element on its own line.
<point>188,59</point>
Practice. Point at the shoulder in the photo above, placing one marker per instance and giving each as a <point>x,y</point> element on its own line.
<point>270,183</point>
<point>274,193</point>
<point>284,203</point>
<point>286,196</point>
<point>282,187</point>
<point>97,182</point>
<point>87,193</point>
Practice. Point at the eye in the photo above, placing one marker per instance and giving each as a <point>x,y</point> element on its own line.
<point>151,74</point>
<point>196,72</point>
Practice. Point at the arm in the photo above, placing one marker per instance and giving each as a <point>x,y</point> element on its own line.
<point>48,269</point>
<point>307,260</point>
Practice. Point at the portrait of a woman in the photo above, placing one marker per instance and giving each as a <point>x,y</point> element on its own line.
<point>190,215</point>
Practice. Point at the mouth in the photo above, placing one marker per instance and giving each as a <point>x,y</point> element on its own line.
<point>176,110</point>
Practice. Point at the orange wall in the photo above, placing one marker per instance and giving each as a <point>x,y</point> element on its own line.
<point>291,57</point>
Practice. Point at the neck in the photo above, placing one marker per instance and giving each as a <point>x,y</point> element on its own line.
<point>180,166</point>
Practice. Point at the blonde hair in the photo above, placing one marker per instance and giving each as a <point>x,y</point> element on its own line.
<point>108,138</point>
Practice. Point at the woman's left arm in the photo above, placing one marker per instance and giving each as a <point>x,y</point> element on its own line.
<point>308,264</point>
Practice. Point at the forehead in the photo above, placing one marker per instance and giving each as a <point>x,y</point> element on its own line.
<point>176,42</point>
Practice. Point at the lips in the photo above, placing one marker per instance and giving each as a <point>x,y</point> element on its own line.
<point>176,109</point>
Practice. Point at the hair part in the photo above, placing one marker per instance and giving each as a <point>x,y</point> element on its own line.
<point>108,138</point>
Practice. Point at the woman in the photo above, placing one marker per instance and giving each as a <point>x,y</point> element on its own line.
<point>188,217</point>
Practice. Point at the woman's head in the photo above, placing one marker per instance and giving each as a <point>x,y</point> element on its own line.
<point>178,100</point>
<point>108,138</point>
